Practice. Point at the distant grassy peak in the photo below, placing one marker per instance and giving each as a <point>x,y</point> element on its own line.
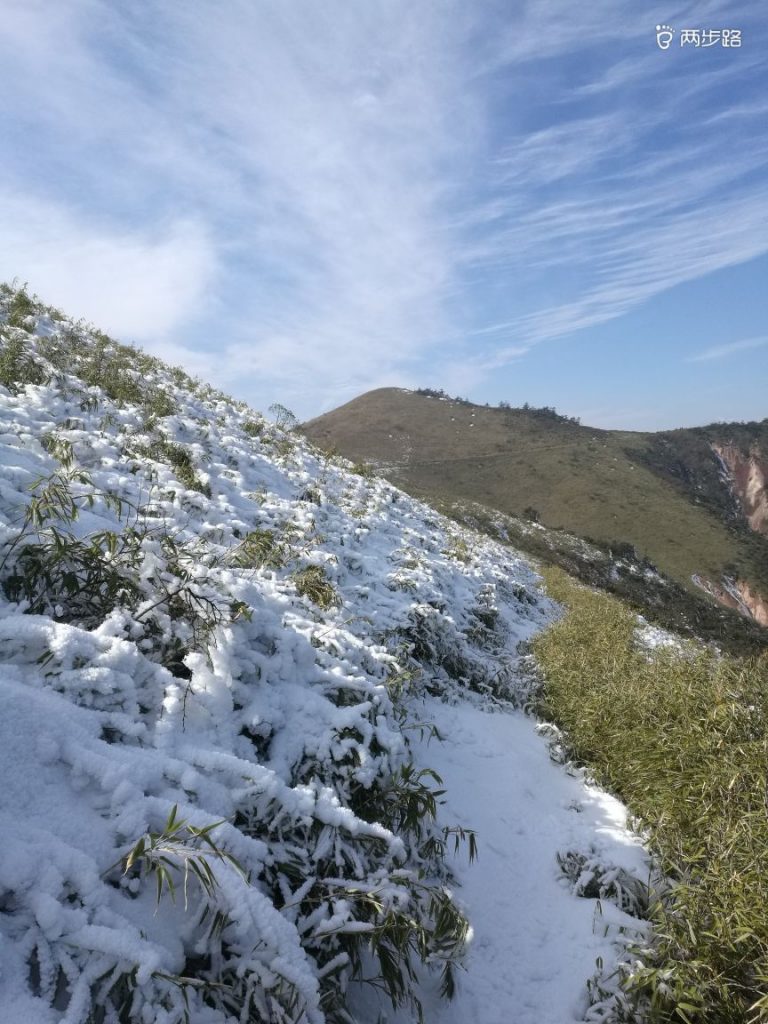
<point>666,494</point>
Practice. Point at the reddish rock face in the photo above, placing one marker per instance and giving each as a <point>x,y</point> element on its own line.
<point>739,595</point>
<point>747,477</point>
<point>757,605</point>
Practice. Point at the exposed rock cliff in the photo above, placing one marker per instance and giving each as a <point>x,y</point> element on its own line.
<point>739,595</point>
<point>747,477</point>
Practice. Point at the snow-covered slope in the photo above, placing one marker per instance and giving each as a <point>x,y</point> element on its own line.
<point>217,652</point>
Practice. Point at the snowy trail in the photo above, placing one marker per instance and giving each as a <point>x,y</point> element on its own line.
<point>535,943</point>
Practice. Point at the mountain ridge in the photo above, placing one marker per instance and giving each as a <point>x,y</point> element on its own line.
<point>668,494</point>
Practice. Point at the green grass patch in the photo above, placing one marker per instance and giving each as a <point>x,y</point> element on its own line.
<point>253,428</point>
<point>364,469</point>
<point>260,549</point>
<point>682,738</point>
<point>314,584</point>
<point>615,567</point>
<point>177,456</point>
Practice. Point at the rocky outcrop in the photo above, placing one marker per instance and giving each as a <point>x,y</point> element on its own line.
<point>747,477</point>
<point>737,594</point>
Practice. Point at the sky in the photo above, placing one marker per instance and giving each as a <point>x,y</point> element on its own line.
<point>519,201</point>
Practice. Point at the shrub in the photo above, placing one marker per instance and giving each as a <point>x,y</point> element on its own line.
<point>314,584</point>
<point>253,428</point>
<point>20,307</point>
<point>82,579</point>
<point>17,366</point>
<point>76,580</point>
<point>180,848</point>
<point>284,418</point>
<point>158,403</point>
<point>459,550</point>
<point>259,549</point>
<point>177,456</point>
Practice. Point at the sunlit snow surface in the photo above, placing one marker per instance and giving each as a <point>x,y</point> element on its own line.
<point>534,943</point>
<point>98,742</point>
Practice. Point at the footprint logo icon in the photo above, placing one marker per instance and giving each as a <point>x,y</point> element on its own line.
<point>664,34</point>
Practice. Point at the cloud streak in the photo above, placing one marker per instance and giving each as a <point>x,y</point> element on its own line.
<point>732,348</point>
<point>313,158</point>
<point>143,284</point>
<point>617,207</point>
<point>342,196</point>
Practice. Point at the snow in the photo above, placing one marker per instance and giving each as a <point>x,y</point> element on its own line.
<point>217,687</point>
<point>651,638</point>
<point>534,940</point>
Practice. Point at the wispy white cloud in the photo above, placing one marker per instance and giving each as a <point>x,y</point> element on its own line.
<point>313,149</point>
<point>731,349</point>
<point>329,189</point>
<point>543,29</point>
<point>633,266</point>
<point>619,206</point>
<point>502,356</point>
<point>139,284</point>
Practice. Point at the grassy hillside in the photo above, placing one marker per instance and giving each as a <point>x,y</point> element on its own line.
<point>660,493</point>
<point>682,736</point>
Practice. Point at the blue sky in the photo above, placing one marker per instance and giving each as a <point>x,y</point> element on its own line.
<point>302,201</point>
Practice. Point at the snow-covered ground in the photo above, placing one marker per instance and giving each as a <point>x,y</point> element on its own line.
<point>652,638</point>
<point>203,616</point>
<point>534,942</point>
